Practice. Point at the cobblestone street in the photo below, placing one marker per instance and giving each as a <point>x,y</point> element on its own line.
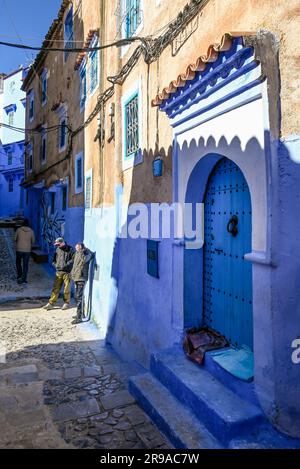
<point>60,386</point>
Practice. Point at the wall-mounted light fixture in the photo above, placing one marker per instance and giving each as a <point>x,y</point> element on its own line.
<point>157,166</point>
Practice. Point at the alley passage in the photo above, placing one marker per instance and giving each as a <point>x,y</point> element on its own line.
<point>40,276</point>
<point>60,386</point>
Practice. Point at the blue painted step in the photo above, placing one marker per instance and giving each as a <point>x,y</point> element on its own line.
<point>224,413</point>
<point>173,419</point>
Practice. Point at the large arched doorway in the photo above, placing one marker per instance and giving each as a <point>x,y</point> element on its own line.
<point>227,289</point>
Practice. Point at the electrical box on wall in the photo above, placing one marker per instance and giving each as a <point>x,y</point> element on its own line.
<point>152,258</point>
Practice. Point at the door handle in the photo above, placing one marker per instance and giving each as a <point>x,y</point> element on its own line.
<point>218,250</point>
<point>232,225</point>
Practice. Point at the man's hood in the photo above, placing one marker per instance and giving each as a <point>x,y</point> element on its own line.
<point>25,228</point>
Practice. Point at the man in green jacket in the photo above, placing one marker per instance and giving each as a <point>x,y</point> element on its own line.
<point>62,262</point>
<point>80,275</point>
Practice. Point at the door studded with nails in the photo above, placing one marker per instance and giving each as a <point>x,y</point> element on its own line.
<point>227,275</point>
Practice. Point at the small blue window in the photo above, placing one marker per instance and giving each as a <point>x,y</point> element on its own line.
<point>62,133</point>
<point>68,32</point>
<point>44,87</point>
<point>82,88</point>
<point>133,16</point>
<point>132,126</point>
<point>79,174</point>
<point>94,71</point>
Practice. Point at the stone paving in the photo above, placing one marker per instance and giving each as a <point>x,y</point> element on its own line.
<point>40,278</point>
<point>61,387</point>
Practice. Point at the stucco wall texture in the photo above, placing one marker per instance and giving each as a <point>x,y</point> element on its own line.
<point>216,18</point>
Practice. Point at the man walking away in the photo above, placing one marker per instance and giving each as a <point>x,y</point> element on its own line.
<point>80,274</point>
<point>24,238</point>
<point>63,262</point>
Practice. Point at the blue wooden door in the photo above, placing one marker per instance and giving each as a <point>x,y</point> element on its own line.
<point>227,276</point>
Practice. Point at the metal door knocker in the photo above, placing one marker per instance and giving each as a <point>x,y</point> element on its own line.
<point>232,225</point>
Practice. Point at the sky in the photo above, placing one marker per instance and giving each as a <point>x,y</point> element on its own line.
<point>27,22</point>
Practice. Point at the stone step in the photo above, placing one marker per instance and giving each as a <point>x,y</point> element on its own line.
<point>173,419</point>
<point>39,256</point>
<point>222,411</point>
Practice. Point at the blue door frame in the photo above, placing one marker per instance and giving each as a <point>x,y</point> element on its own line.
<point>227,277</point>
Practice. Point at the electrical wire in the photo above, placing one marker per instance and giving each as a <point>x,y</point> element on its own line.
<point>150,48</point>
<point>120,43</point>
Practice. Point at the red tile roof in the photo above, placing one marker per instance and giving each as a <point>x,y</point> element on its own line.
<point>86,44</point>
<point>199,66</point>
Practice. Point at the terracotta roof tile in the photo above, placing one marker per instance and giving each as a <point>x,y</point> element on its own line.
<point>86,44</point>
<point>199,66</point>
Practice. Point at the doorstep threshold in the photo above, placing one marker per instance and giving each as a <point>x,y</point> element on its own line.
<point>238,361</point>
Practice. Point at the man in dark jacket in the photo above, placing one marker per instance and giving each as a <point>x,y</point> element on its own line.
<point>63,262</point>
<point>80,274</point>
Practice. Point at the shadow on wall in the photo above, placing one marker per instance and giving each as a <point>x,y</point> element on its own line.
<point>149,312</point>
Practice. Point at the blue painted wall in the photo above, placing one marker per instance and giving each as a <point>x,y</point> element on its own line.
<point>12,99</point>
<point>48,226</point>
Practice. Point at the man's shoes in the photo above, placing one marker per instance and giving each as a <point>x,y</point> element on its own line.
<point>48,306</point>
<point>77,321</point>
<point>65,306</point>
<point>25,282</point>
<point>19,281</point>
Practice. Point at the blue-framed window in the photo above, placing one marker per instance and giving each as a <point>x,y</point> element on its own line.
<point>44,87</point>
<point>133,16</point>
<point>79,173</point>
<point>132,143</point>
<point>82,75</point>
<point>68,32</point>
<point>64,198</point>
<point>10,185</point>
<point>43,147</point>
<point>9,158</point>
<point>94,70</point>
<point>31,105</point>
<point>62,133</point>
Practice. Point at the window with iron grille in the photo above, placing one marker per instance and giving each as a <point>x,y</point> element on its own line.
<point>62,133</point>
<point>9,158</point>
<point>82,88</point>
<point>132,126</point>
<point>94,70</point>
<point>10,185</point>
<point>133,16</point>
<point>68,32</point>
<point>88,193</point>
